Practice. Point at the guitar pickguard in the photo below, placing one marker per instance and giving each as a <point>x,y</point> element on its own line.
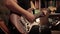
<point>29,25</point>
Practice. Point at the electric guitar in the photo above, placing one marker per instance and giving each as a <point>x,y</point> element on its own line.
<point>29,25</point>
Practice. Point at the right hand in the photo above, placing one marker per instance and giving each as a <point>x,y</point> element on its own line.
<point>30,17</point>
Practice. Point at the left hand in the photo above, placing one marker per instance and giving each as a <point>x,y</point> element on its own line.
<point>45,11</point>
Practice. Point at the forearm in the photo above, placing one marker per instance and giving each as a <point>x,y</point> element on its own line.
<point>16,8</point>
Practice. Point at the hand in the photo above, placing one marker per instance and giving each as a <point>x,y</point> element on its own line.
<point>31,16</point>
<point>45,11</point>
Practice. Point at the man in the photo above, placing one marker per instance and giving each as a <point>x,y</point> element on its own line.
<point>13,5</point>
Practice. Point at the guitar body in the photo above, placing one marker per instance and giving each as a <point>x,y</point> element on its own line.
<point>29,25</point>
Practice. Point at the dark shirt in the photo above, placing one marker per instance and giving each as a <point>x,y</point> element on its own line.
<point>24,4</point>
